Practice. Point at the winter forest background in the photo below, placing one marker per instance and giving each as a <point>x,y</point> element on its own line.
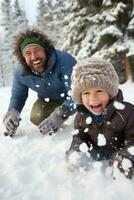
<point>32,166</point>
<point>82,27</point>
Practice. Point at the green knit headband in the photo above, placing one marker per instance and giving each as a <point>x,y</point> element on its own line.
<point>28,41</point>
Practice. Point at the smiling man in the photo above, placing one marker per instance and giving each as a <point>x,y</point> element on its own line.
<point>47,71</point>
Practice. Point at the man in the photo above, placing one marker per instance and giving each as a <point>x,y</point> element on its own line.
<point>46,71</point>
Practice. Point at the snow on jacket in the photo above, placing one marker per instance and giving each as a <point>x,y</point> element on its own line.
<point>115,133</point>
<point>53,84</point>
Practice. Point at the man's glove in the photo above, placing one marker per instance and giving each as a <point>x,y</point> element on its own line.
<point>54,121</point>
<point>123,165</point>
<point>11,121</point>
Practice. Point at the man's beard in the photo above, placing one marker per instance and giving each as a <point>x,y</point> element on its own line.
<point>39,68</point>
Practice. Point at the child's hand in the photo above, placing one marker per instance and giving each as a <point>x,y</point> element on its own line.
<point>121,166</point>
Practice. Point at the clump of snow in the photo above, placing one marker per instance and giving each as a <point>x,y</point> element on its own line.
<point>119,9</point>
<point>75,132</point>
<point>131,150</point>
<point>88,120</point>
<point>86,130</point>
<point>107,2</point>
<point>47,99</point>
<point>37,86</point>
<point>65,77</point>
<point>126,164</point>
<point>116,172</point>
<point>101,140</point>
<point>69,93</point>
<point>68,98</point>
<point>62,94</point>
<point>118,105</point>
<point>83,147</point>
<point>109,30</point>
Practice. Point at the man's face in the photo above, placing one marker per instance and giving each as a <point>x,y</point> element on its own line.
<point>35,57</point>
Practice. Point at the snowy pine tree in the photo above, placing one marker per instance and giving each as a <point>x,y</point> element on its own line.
<point>6,56</point>
<point>50,19</point>
<point>13,19</point>
<point>19,19</point>
<point>102,28</point>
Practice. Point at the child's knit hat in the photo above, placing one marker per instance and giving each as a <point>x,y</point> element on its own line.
<point>94,72</point>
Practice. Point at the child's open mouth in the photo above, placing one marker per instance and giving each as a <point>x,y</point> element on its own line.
<point>97,108</point>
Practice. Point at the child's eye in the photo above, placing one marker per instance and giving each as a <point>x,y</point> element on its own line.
<point>85,93</point>
<point>99,90</point>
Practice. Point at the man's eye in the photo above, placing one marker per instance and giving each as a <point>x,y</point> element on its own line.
<point>27,54</point>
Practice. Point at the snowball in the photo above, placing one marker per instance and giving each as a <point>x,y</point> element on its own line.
<point>75,105</point>
<point>108,122</point>
<point>66,77</point>
<point>83,147</point>
<point>126,164</point>
<point>88,120</point>
<point>131,150</point>
<point>68,98</point>
<point>86,130</point>
<point>66,83</point>
<point>46,99</point>
<point>62,94</point>
<point>118,105</point>
<point>69,93</point>
<point>116,172</point>
<point>101,140</point>
<point>75,132</point>
<point>37,86</point>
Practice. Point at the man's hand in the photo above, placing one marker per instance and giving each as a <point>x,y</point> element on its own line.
<point>122,165</point>
<point>11,121</point>
<point>53,122</point>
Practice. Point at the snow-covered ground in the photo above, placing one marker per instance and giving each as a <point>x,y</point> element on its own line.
<point>32,166</point>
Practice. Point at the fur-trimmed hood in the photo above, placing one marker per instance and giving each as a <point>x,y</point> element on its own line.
<point>30,33</point>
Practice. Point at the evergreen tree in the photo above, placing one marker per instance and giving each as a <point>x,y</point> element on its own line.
<point>6,58</point>
<point>13,19</point>
<point>45,18</point>
<point>50,19</point>
<point>19,19</point>
<point>102,28</point>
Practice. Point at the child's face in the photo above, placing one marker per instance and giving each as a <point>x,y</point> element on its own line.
<point>95,100</point>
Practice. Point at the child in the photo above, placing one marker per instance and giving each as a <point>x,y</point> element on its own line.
<point>104,122</point>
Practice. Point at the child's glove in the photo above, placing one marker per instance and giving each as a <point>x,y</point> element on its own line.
<point>11,121</point>
<point>123,165</point>
<point>53,122</point>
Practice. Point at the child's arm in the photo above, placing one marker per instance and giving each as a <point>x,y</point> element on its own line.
<point>73,155</point>
<point>124,159</point>
<point>78,137</point>
<point>128,149</point>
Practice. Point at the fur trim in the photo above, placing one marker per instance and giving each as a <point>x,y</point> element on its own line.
<point>30,33</point>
